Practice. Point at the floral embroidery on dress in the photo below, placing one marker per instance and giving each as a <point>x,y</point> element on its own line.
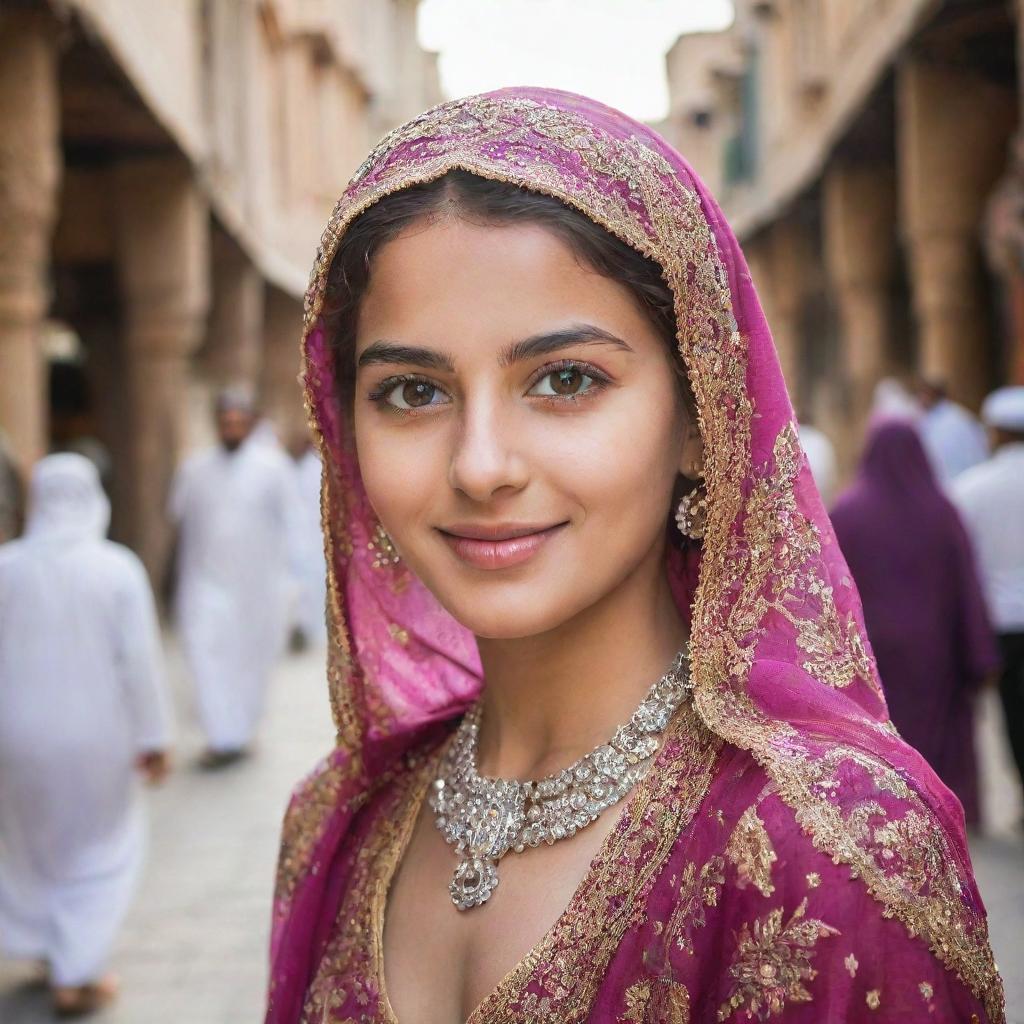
<point>656,1002</point>
<point>772,964</point>
<point>750,850</point>
<point>689,912</point>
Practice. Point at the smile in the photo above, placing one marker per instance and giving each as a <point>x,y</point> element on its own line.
<point>498,547</point>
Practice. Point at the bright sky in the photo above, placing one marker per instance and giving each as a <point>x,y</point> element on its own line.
<point>612,50</point>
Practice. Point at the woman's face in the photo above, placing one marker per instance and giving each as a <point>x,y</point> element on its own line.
<point>518,424</point>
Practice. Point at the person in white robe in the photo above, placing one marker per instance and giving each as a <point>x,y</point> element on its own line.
<point>953,437</point>
<point>892,400</point>
<point>821,457</point>
<point>235,508</point>
<point>309,551</point>
<point>83,712</point>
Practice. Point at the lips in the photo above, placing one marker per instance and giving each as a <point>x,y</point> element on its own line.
<point>498,546</point>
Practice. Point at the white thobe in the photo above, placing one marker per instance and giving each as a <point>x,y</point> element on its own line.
<point>81,695</point>
<point>309,552</point>
<point>236,513</point>
<point>953,438</point>
<point>821,456</point>
<point>990,498</point>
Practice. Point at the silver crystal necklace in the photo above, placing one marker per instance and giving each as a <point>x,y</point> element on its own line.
<point>486,818</point>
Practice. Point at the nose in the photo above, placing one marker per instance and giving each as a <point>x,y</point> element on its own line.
<point>486,458</point>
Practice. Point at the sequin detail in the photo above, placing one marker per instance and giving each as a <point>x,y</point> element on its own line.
<point>750,850</point>
<point>772,964</point>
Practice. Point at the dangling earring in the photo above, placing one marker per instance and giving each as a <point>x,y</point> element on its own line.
<point>692,512</point>
<point>383,547</point>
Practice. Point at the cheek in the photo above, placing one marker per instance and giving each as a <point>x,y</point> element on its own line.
<point>621,459</point>
<point>400,473</point>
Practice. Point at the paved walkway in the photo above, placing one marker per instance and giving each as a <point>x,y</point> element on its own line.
<point>194,947</point>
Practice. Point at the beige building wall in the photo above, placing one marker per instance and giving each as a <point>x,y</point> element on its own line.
<point>165,172</point>
<point>884,127</point>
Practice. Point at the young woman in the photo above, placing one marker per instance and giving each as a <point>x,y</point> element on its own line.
<point>612,745</point>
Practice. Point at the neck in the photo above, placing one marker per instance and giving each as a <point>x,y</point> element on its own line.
<point>551,698</point>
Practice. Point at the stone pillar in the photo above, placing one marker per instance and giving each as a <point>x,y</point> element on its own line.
<point>162,238</point>
<point>280,393</point>
<point>861,256</point>
<point>30,162</point>
<point>234,335</point>
<point>758,253</point>
<point>952,129</point>
<point>791,249</point>
<point>1004,231</point>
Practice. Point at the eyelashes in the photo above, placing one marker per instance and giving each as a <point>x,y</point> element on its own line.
<point>565,382</point>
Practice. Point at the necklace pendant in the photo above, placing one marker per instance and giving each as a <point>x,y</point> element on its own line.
<point>474,880</point>
<point>486,818</point>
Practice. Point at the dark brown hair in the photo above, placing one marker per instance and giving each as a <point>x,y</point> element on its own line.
<point>489,202</point>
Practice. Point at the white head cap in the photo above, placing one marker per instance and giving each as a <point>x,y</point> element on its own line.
<point>1004,409</point>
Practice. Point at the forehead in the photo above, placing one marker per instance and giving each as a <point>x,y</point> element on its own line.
<point>465,279</point>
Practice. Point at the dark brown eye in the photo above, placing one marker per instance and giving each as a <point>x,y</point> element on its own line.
<point>415,394</point>
<point>567,381</point>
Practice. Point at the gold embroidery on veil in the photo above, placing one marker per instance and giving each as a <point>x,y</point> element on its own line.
<point>778,573</point>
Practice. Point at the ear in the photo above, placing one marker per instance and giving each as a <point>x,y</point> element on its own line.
<point>691,455</point>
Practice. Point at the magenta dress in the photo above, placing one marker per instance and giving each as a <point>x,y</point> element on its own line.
<point>789,858</point>
<point>923,605</point>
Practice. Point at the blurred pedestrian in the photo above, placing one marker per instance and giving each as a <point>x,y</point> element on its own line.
<point>923,606</point>
<point>892,400</point>
<point>82,711</point>
<point>991,500</point>
<point>309,550</point>
<point>821,456</point>
<point>235,507</point>
<point>952,435</point>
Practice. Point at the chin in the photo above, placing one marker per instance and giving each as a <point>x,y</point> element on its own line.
<point>504,626</point>
<point>530,611</point>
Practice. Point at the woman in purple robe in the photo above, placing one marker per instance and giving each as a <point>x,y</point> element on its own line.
<point>923,605</point>
<point>532,348</point>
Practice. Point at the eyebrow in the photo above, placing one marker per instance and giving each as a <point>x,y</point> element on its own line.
<point>412,355</point>
<point>552,341</point>
<point>520,351</point>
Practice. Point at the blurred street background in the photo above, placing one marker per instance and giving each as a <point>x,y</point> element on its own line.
<point>166,169</point>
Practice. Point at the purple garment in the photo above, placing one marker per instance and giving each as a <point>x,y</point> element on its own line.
<point>923,605</point>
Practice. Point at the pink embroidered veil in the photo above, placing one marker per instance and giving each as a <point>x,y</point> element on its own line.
<point>780,660</point>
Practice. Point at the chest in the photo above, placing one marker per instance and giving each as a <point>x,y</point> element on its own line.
<point>441,963</point>
<point>540,949</point>
<point>230,493</point>
<point>233,504</point>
